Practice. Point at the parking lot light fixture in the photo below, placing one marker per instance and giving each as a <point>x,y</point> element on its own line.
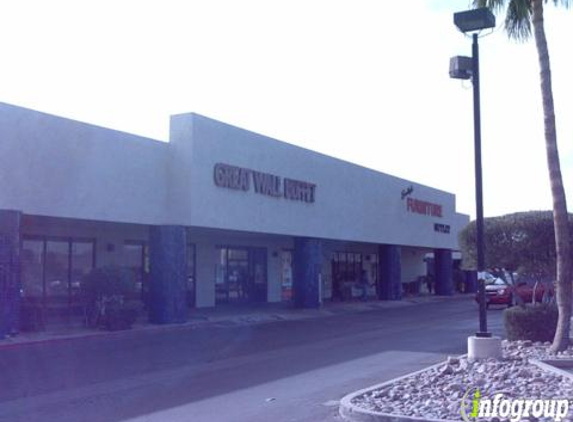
<point>474,21</point>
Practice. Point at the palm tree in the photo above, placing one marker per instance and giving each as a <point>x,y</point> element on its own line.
<point>521,15</point>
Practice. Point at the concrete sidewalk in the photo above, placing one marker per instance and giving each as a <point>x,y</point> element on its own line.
<point>224,316</point>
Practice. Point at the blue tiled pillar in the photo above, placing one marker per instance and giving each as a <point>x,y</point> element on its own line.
<point>471,280</point>
<point>443,271</point>
<point>389,272</point>
<point>9,271</point>
<point>307,265</point>
<point>168,274</point>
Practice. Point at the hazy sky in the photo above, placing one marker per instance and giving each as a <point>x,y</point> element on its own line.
<point>363,80</point>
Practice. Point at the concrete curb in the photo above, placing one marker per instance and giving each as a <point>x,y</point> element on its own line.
<point>95,334</point>
<point>354,413</point>
<point>555,366</point>
<point>228,321</point>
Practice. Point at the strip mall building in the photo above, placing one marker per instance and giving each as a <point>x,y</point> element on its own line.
<point>216,215</point>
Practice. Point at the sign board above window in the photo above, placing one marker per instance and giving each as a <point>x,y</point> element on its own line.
<point>442,228</point>
<point>239,178</point>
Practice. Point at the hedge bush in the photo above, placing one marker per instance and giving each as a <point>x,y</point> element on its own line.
<point>106,293</point>
<point>120,316</point>
<point>108,281</point>
<point>531,322</point>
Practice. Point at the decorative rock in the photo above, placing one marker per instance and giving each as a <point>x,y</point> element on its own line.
<point>447,370</point>
<point>453,360</point>
<point>524,373</point>
<point>456,387</point>
<point>437,392</point>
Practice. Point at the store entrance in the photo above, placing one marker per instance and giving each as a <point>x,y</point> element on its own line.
<point>241,275</point>
<point>347,280</point>
<point>346,271</point>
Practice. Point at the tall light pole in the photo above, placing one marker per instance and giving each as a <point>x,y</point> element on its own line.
<point>465,68</point>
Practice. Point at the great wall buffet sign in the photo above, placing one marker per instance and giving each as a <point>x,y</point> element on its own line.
<point>239,178</point>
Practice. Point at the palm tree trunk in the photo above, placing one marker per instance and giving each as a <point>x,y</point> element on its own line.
<point>560,217</point>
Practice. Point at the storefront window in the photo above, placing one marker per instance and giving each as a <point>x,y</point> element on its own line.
<point>57,270</point>
<point>347,266</point>
<point>53,269</point>
<point>286,275</point>
<point>346,274</point>
<point>241,275</point>
<point>191,282</point>
<point>33,269</point>
<point>82,263</point>
<point>136,258</point>
<point>221,276</point>
<point>238,277</point>
<point>238,254</point>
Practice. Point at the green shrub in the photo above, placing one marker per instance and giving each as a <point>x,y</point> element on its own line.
<point>120,316</point>
<point>106,291</point>
<point>108,281</point>
<point>532,322</point>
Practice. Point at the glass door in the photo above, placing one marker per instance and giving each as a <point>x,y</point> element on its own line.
<point>286,275</point>
<point>346,273</point>
<point>221,290</point>
<point>238,275</point>
<point>258,276</point>
<point>241,275</point>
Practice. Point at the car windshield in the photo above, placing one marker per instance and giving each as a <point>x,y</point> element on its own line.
<point>495,282</point>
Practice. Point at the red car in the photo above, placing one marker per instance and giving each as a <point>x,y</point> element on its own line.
<point>500,292</point>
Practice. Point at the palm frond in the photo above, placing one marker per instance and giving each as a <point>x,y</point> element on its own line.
<point>518,19</point>
<point>494,5</point>
<point>563,3</point>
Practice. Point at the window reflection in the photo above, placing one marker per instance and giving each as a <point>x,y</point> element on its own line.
<point>241,275</point>
<point>191,275</point>
<point>286,275</point>
<point>57,270</point>
<point>53,269</point>
<point>134,258</point>
<point>82,263</point>
<point>32,268</point>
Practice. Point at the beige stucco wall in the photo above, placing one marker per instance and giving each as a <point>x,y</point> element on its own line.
<point>352,203</point>
<point>51,166</point>
<point>59,167</point>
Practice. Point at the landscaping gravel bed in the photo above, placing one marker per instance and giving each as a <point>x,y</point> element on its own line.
<point>437,393</point>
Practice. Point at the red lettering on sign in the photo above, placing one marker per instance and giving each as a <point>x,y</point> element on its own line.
<point>423,207</point>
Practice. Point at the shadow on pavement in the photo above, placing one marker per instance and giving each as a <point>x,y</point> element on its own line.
<point>163,369</point>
